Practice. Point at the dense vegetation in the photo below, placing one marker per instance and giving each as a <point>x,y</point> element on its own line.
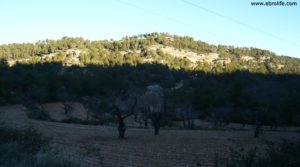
<point>134,50</point>
<point>266,88</point>
<point>27,148</point>
<point>276,155</point>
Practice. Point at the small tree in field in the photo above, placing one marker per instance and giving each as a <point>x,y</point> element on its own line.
<point>124,107</point>
<point>263,99</point>
<point>155,105</point>
<point>221,116</point>
<point>91,105</point>
<point>186,115</point>
<point>142,114</point>
<point>66,99</point>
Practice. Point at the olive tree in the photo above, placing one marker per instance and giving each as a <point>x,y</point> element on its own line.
<point>124,107</point>
<point>66,99</point>
<point>155,105</point>
<point>187,115</point>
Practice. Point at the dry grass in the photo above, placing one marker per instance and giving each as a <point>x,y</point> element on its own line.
<point>99,146</point>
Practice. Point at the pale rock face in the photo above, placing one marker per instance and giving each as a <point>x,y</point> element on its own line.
<point>264,58</point>
<point>280,66</point>
<point>192,56</point>
<point>74,60</point>
<point>247,58</point>
<point>49,55</point>
<point>75,52</point>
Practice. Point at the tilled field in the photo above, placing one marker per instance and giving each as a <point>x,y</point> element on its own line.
<point>97,146</point>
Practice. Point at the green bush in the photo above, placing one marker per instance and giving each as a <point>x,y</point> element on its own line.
<point>18,147</point>
<point>285,154</point>
<point>242,158</point>
<point>27,148</point>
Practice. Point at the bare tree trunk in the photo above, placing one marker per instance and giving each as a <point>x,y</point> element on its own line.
<point>257,130</point>
<point>121,128</point>
<point>67,107</point>
<point>191,124</point>
<point>135,117</point>
<point>87,115</point>
<point>244,124</point>
<point>145,119</point>
<point>183,121</point>
<point>258,127</point>
<point>156,130</point>
<point>156,124</point>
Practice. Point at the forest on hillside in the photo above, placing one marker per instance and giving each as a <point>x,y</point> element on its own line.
<point>137,50</point>
<point>99,72</point>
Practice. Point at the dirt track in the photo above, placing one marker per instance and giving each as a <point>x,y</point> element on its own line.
<point>98,146</point>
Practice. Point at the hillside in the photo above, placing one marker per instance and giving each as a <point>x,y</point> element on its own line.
<point>196,80</point>
<point>171,50</point>
<point>147,100</point>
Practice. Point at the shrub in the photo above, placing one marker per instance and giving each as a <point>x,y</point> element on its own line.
<point>27,148</point>
<point>284,154</point>
<point>18,147</point>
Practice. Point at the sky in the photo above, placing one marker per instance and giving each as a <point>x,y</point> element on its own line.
<point>226,22</point>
